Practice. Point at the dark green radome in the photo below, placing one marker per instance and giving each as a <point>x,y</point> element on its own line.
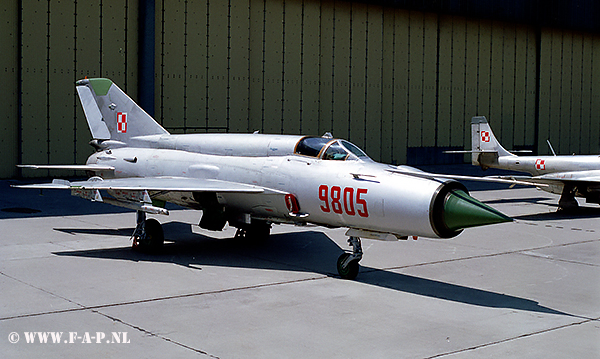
<point>463,211</point>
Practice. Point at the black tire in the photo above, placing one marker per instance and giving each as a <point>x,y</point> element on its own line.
<point>350,271</point>
<point>258,231</point>
<point>154,239</point>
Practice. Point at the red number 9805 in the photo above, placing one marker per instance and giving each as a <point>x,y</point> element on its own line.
<point>340,200</point>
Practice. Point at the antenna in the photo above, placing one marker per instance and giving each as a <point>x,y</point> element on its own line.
<point>550,145</point>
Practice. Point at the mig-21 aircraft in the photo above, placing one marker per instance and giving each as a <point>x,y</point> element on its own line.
<point>252,181</point>
<point>570,176</point>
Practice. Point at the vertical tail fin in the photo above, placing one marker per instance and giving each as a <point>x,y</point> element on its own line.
<point>111,114</point>
<point>484,145</point>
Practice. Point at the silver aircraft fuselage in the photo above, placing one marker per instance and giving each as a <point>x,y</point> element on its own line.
<point>356,194</point>
<point>251,181</point>
<point>540,165</point>
<point>569,176</point>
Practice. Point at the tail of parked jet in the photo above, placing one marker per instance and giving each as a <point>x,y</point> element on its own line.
<point>111,114</point>
<point>485,148</point>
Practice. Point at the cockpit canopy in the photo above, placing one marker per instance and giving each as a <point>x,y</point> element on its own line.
<point>329,149</point>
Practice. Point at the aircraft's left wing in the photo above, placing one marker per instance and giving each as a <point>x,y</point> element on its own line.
<point>573,176</point>
<point>176,184</point>
<point>134,191</point>
<point>91,167</point>
<point>558,178</point>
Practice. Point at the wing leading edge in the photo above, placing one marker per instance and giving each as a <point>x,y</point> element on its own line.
<point>512,180</point>
<point>91,167</point>
<point>133,192</point>
<point>176,184</point>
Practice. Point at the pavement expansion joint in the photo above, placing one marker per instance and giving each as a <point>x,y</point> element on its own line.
<point>112,305</point>
<point>149,333</point>
<point>522,336</point>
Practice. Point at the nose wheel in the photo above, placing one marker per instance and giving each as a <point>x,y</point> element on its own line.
<point>347,263</point>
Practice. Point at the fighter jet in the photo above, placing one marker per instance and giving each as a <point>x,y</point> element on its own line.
<point>569,176</point>
<point>252,181</point>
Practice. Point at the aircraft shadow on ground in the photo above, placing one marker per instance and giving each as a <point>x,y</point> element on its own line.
<point>534,200</point>
<point>580,212</point>
<point>305,251</point>
<point>126,232</point>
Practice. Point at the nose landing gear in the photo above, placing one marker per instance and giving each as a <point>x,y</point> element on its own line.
<point>347,263</point>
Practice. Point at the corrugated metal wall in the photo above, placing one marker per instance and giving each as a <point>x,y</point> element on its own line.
<point>570,92</point>
<point>390,80</point>
<point>61,42</point>
<point>9,48</point>
<point>401,84</point>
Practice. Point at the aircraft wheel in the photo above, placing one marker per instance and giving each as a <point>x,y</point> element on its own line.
<point>347,270</point>
<point>153,238</point>
<point>258,231</point>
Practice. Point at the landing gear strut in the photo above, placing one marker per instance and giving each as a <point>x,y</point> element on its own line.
<point>567,201</point>
<point>347,263</point>
<point>148,235</point>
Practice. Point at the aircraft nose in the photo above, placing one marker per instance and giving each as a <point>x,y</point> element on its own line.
<point>463,211</point>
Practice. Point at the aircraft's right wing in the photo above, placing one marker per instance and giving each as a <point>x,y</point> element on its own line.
<point>512,180</point>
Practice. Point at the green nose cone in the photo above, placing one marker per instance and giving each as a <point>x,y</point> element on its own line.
<point>463,211</point>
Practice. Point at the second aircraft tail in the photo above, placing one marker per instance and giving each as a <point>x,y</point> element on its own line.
<point>485,148</point>
<point>111,114</point>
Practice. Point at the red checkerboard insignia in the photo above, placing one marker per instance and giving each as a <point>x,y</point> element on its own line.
<point>122,122</point>
<point>540,164</point>
<point>485,136</point>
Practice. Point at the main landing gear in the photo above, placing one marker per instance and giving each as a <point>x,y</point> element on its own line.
<point>148,235</point>
<point>567,201</point>
<point>258,230</point>
<point>347,263</point>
